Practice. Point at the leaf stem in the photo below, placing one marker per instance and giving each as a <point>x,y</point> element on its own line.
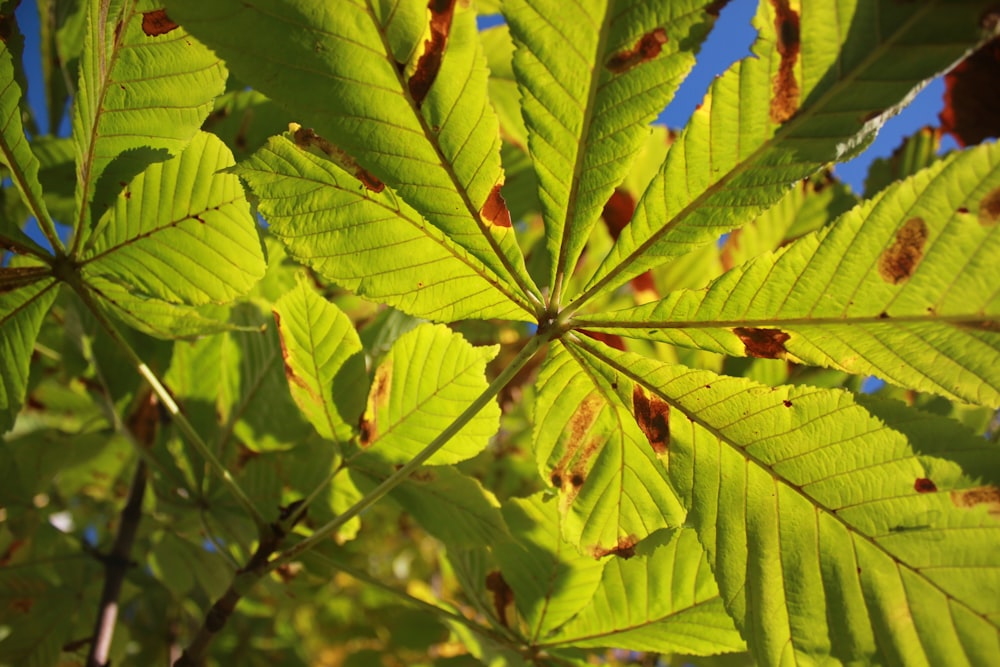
<point>259,566</point>
<point>168,402</point>
<point>394,480</point>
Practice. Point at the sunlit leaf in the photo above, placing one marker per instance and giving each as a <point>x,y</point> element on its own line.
<point>428,378</point>
<point>180,232</point>
<point>423,126</point>
<point>834,528</point>
<point>823,79</point>
<point>333,223</point>
<point>903,287</point>
<point>22,308</point>
<point>608,468</point>
<point>324,362</point>
<point>145,88</point>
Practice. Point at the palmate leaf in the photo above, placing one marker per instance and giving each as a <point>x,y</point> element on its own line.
<point>661,597</point>
<point>608,469</point>
<point>371,242</point>
<point>22,307</point>
<point>823,78</point>
<point>904,287</point>
<point>324,362</point>
<point>16,156</point>
<point>400,87</point>
<point>145,88</point>
<point>180,232</point>
<point>587,102</point>
<point>836,528</point>
<point>424,383</point>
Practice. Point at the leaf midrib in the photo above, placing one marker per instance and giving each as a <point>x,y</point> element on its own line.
<point>781,479</point>
<point>749,162</point>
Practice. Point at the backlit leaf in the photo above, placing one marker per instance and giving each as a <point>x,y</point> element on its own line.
<point>608,469</point>
<point>834,528</point>
<point>399,86</point>
<point>428,378</point>
<point>324,362</point>
<point>823,79</point>
<point>903,287</point>
<point>22,308</point>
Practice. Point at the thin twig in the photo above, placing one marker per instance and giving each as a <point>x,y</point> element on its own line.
<point>143,425</point>
<point>260,564</point>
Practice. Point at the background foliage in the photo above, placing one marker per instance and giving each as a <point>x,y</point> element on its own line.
<point>356,335</point>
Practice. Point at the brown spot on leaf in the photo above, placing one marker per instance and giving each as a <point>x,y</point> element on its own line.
<point>556,479</point>
<point>652,414</point>
<point>763,343</point>
<point>883,315</point>
<point>647,48</point>
<point>618,212</point>
<point>924,485</point>
<point>971,110</point>
<point>989,208</point>
<point>378,398</point>
<point>156,23</point>
<point>306,138</point>
<point>624,549</point>
<point>611,340</point>
<point>786,403</point>
<point>6,27</point>
<point>577,479</point>
<point>714,8</point>
<point>290,373</point>
<point>785,88</point>
<point>494,210</point>
<point>982,495</point>
<point>900,260</point>
<point>430,60</point>
<point>503,596</point>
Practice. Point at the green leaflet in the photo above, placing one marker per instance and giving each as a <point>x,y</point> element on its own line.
<point>587,104</point>
<point>421,387</point>
<point>21,311</point>
<point>398,87</point>
<point>448,504</point>
<point>821,82</point>
<point>835,528</point>
<point>661,597</point>
<point>904,287</point>
<point>552,581</point>
<point>181,232</point>
<point>145,88</point>
<point>371,242</point>
<point>16,155</point>
<point>324,362</point>
<point>664,599</point>
<point>609,470</point>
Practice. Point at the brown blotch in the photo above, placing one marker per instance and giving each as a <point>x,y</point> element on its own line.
<point>156,23</point>
<point>652,414</point>
<point>785,89</point>
<point>378,398</point>
<point>647,48</point>
<point>763,343</point>
<point>290,373</point>
<point>624,549</point>
<point>924,485</point>
<point>900,260</point>
<point>982,495</point>
<point>714,8</point>
<point>611,340</point>
<point>6,27</point>
<point>430,60</point>
<point>962,209</point>
<point>306,138</point>
<point>494,210</point>
<point>989,208</point>
<point>618,212</point>
<point>556,479</point>
<point>786,403</point>
<point>577,479</point>
<point>883,315</point>
<point>503,595</point>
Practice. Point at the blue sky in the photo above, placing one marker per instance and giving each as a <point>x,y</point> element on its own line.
<point>729,41</point>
